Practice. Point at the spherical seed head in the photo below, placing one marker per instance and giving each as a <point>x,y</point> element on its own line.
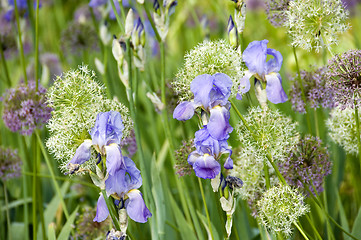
<point>79,37</point>
<point>279,207</point>
<point>307,165</point>
<point>86,228</point>
<point>316,92</point>
<point>25,108</point>
<point>276,11</point>
<point>342,128</point>
<point>10,164</point>
<point>314,24</point>
<point>77,98</point>
<point>209,57</point>
<point>181,157</point>
<point>344,78</point>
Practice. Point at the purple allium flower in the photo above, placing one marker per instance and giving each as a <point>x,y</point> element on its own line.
<point>344,78</point>
<point>79,37</point>
<point>255,56</point>
<point>275,10</point>
<point>25,108</point>
<point>10,164</point>
<point>130,144</point>
<point>106,136</point>
<point>181,158</point>
<point>307,165</point>
<point>316,92</point>
<point>86,228</point>
<point>124,185</point>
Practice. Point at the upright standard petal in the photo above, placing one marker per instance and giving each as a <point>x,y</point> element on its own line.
<point>136,208</point>
<point>255,56</point>
<point>245,84</point>
<point>114,158</point>
<point>221,90</point>
<point>102,210</point>
<point>184,111</point>
<point>116,184</point>
<point>82,153</point>
<point>201,87</point>
<point>206,167</point>
<point>274,64</point>
<point>133,177</point>
<point>274,90</point>
<point>97,3</point>
<point>218,125</point>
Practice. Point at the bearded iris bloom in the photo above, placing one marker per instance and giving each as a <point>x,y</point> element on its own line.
<point>106,136</point>
<point>123,186</point>
<point>255,56</point>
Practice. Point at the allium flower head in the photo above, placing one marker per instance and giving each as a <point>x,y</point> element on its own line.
<point>181,157</point>
<point>344,73</point>
<point>79,37</point>
<point>276,11</point>
<point>25,108</point>
<point>307,164</point>
<point>76,99</point>
<point>279,207</point>
<point>10,164</point>
<point>255,56</point>
<point>313,24</point>
<point>342,128</point>
<point>209,57</point>
<point>315,89</point>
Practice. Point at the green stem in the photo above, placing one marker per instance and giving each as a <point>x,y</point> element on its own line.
<point>313,227</point>
<point>37,45</point>
<point>303,95</point>
<point>112,211</point>
<point>26,217</point>
<point>301,231</point>
<point>47,160</point>
<point>105,78</point>
<point>8,81</point>
<point>117,16</point>
<point>7,211</point>
<point>35,170</point>
<point>157,36</point>
<point>316,122</point>
<point>266,173</point>
<point>205,207</point>
<point>22,58</point>
<point>357,119</point>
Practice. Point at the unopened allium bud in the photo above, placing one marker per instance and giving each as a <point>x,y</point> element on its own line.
<point>25,108</point>
<point>280,207</point>
<point>315,24</point>
<point>307,165</point>
<point>344,79</point>
<point>77,98</point>
<point>342,128</point>
<point>209,57</point>
<point>232,33</point>
<point>10,164</point>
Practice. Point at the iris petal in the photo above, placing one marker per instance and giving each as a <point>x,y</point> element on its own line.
<point>275,92</point>
<point>255,56</point>
<point>136,208</point>
<point>102,210</point>
<point>82,153</point>
<point>184,111</point>
<point>218,125</point>
<point>274,64</point>
<point>114,158</point>
<point>201,87</point>
<point>244,85</point>
<point>206,167</point>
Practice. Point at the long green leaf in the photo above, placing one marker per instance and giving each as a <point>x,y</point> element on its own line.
<point>356,229</point>
<point>65,232</point>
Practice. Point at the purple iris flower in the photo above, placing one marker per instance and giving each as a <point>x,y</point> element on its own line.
<point>106,136</point>
<point>208,150</point>
<point>123,185</point>
<point>255,56</point>
<point>22,8</point>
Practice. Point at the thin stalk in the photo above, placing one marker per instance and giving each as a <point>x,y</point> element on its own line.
<point>205,207</point>
<point>316,122</point>
<point>39,191</point>
<point>22,57</point>
<point>105,78</point>
<point>243,120</point>
<point>302,90</point>
<point>35,171</point>
<point>26,216</point>
<point>8,81</point>
<point>37,45</point>
<point>313,227</point>
<point>47,160</point>
<point>266,173</point>
<point>112,212</point>
<point>157,36</point>
<point>357,119</point>
<point>7,211</point>
<point>119,21</point>
<point>301,231</point>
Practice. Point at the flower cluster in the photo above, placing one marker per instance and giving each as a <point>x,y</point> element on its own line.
<point>122,178</point>
<point>344,79</point>
<point>342,128</point>
<point>279,207</point>
<point>181,156</point>
<point>76,99</point>
<point>275,10</point>
<point>25,108</point>
<point>316,92</point>
<point>209,58</point>
<point>265,73</point>
<point>10,164</point>
<point>307,165</point>
<point>315,24</point>
<point>211,93</point>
